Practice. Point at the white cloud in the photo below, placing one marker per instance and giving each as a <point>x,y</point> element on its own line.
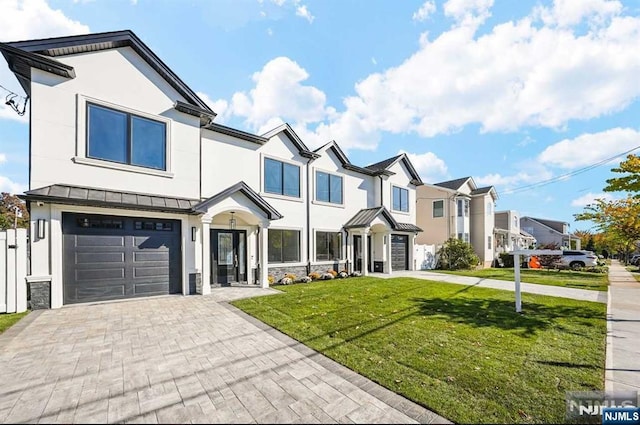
<point>3,158</point>
<point>529,173</point>
<point>303,12</point>
<point>428,165</point>
<point>590,148</point>
<point>468,12</point>
<point>589,198</point>
<point>424,11</point>
<point>220,106</point>
<point>7,185</point>
<point>566,13</point>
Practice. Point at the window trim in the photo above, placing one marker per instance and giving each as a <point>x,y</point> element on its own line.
<point>315,188</point>
<point>82,139</point>
<point>300,245</point>
<point>263,192</point>
<point>433,208</point>
<point>315,246</point>
<point>408,211</point>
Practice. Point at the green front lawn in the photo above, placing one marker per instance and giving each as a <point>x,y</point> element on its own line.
<point>460,351</point>
<point>568,278</point>
<point>8,320</point>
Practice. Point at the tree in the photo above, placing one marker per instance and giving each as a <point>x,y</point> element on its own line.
<point>8,206</point>
<point>549,261</point>
<point>584,236</point>
<point>456,255</point>
<point>590,246</point>
<point>630,181</point>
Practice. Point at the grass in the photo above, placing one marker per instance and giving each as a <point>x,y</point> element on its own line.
<point>568,278</point>
<point>462,352</point>
<point>8,320</point>
<point>635,272</point>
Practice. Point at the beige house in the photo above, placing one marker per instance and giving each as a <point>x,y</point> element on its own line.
<point>508,234</point>
<point>457,209</point>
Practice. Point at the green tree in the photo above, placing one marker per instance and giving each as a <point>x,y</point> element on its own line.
<point>8,207</point>
<point>630,181</point>
<point>456,255</point>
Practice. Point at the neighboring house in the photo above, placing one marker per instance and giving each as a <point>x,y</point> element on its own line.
<point>458,209</point>
<point>134,190</point>
<point>508,234</point>
<point>549,232</point>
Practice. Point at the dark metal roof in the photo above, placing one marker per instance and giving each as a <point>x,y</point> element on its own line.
<point>482,190</point>
<point>384,164</point>
<point>218,128</point>
<point>90,196</point>
<point>408,227</point>
<point>382,167</point>
<point>20,62</point>
<point>298,143</point>
<point>453,184</point>
<point>363,218</point>
<point>205,116</point>
<point>61,46</point>
<point>242,187</point>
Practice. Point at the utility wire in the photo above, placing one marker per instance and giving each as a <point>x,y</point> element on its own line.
<point>566,175</point>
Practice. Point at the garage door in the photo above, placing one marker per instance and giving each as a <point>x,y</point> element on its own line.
<point>110,257</point>
<point>399,252</point>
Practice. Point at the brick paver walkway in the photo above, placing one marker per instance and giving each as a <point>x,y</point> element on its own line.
<point>178,360</point>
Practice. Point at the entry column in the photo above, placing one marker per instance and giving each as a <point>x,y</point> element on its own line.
<point>387,248</point>
<point>264,255</point>
<point>365,252</point>
<point>206,255</point>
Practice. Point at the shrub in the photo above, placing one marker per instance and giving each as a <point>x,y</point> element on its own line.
<point>271,279</point>
<point>286,281</point>
<point>314,275</point>
<point>456,255</point>
<point>597,269</point>
<point>290,276</point>
<point>506,259</point>
<point>327,276</point>
<point>304,279</point>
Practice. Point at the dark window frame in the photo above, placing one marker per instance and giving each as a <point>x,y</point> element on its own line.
<point>272,233</point>
<point>441,209</point>
<point>282,183</point>
<point>129,137</point>
<point>400,190</point>
<point>330,193</point>
<point>329,241</point>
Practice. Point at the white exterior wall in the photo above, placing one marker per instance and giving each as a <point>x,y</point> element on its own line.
<point>402,179</point>
<point>124,81</point>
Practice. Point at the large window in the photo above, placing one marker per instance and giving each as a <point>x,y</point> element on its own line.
<point>400,199</point>
<point>281,178</point>
<point>328,246</point>
<point>438,208</point>
<point>328,188</point>
<point>284,246</point>
<point>463,206</point>
<point>125,138</point>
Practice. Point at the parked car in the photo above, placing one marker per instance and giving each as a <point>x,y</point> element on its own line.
<point>634,259</point>
<point>578,259</point>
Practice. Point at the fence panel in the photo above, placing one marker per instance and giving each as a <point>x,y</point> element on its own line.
<point>13,271</point>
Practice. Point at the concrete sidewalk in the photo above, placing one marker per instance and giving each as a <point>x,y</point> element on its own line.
<point>531,288</point>
<point>623,331</point>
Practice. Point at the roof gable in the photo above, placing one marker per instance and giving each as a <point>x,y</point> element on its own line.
<point>294,138</point>
<point>240,187</point>
<point>454,184</point>
<point>47,48</point>
<point>385,165</point>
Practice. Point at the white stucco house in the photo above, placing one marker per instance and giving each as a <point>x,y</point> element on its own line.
<point>135,190</point>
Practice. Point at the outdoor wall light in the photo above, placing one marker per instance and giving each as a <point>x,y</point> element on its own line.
<point>232,221</point>
<point>41,228</point>
<point>193,233</point>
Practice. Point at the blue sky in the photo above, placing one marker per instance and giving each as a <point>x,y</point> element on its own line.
<point>512,93</point>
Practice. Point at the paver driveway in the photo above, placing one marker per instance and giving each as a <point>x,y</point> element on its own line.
<point>178,359</point>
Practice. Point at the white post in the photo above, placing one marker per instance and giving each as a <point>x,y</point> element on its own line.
<point>516,268</point>
<point>3,272</point>
<point>264,257</point>
<point>21,270</point>
<point>387,237</point>
<point>11,271</point>
<point>365,252</point>
<point>205,237</point>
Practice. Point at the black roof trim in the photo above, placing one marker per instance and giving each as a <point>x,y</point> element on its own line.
<point>20,62</point>
<point>205,116</point>
<point>364,217</point>
<point>454,184</point>
<point>219,128</point>
<point>271,213</point>
<point>408,227</point>
<point>298,143</point>
<point>61,46</point>
<point>383,166</point>
<point>91,196</point>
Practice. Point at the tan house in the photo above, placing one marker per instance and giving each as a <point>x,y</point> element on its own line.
<point>457,209</point>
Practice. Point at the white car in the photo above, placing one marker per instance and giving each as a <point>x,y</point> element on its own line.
<point>578,259</point>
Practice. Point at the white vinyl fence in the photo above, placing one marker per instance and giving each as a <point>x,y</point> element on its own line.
<point>425,257</point>
<point>13,270</point>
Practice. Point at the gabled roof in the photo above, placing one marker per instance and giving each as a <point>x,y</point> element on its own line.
<point>454,184</point>
<point>91,196</point>
<point>219,128</point>
<point>485,190</point>
<point>547,224</point>
<point>384,165</point>
<point>344,161</point>
<point>365,217</point>
<point>240,187</point>
<point>22,55</point>
<point>298,143</point>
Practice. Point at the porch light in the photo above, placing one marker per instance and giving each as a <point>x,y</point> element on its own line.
<point>193,234</point>
<point>232,221</point>
<point>41,228</point>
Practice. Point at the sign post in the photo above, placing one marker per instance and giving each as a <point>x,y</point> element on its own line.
<point>516,268</point>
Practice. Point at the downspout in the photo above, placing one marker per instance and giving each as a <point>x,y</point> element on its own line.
<point>308,220</point>
<point>381,196</point>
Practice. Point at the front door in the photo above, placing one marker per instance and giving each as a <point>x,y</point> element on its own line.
<point>357,252</point>
<point>228,252</point>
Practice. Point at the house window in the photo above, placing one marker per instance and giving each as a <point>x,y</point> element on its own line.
<point>515,222</point>
<point>463,205</point>
<point>400,199</point>
<point>488,242</point>
<point>328,188</point>
<point>459,236</point>
<point>281,178</point>
<point>328,246</point>
<point>438,208</point>
<point>466,208</point>
<point>284,246</point>
<point>459,208</point>
<point>125,138</point>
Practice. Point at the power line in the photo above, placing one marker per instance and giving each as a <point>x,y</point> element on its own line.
<point>566,175</point>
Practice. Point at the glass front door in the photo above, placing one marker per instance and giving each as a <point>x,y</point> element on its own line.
<point>228,256</point>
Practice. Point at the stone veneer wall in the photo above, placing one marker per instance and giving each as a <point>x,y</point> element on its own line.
<point>40,294</point>
<point>279,272</point>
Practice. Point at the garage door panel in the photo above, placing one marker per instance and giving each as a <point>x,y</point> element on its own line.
<point>102,241</point>
<point>399,252</point>
<point>141,257</point>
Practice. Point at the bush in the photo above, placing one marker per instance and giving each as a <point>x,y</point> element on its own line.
<point>314,275</point>
<point>271,279</point>
<point>596,269</point>
<point>304,279</point>
<point>456,255</point>
<point>506,259</point>
<point>290,276</point>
